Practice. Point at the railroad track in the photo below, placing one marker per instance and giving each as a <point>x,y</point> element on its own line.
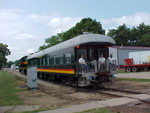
<point>113,92</point>
<point>122,93</point>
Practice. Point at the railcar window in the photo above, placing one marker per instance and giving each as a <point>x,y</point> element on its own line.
<point>48,61</point>
<point>38,61</point>
<point>57,59</point>
<point>91,54</point>
<point>67,58</point>
<point>35,61</point>
<point>43,61</point>
<point>81,52</point>
<point>103,51</point>
<point>61,59</point>
<point>51,60</point>
<point>31,62</point>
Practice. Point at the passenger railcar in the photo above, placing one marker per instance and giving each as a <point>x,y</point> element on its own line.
<point>61,61</point>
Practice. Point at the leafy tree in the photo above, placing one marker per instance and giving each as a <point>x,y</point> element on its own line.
<point>144,40</point>
<point>2,60</point>
<point>85,25</point>
<point>136,36</point>
<point>8,64</point>
<point>143,35</point>
<point>43,47</point>
<point>121,35</point>
<point>4,51</point>
<point>17,62</point>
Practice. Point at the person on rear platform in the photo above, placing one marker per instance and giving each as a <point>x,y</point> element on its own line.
<point>101,63</point>
<point>112,62</point>
<point>83,63</point>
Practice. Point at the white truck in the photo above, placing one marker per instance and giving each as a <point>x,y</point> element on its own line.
<point>138,61</point>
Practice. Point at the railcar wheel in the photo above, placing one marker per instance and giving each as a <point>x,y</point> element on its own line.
<point>128,69</point>
<point>134,69</point>
<point>145,68</point>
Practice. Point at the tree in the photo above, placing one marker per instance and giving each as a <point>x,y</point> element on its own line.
<point>2,60</point>
<point>17,62</point>
<point>143,35</point>
<point>121,35</point>
<point>85,25</point>
<point>4,51</point>
<point>8,64</point>
<point>136,36</point>
<point>144,40</point>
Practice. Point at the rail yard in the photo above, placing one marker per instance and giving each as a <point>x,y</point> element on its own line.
<point>72,96</point>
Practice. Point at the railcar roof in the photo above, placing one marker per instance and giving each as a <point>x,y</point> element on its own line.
<point>76,41</point>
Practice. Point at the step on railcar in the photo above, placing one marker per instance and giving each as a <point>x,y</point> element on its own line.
<point>62,60</point>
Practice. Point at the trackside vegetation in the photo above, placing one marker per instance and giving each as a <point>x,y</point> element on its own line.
<point>8,89</point>
<point>134,79</point>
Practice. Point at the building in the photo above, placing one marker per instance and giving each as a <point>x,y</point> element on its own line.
<point>122,52</point>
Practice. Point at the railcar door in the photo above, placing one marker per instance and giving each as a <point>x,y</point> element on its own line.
<point>89,56</point>
<point>81,51</point>
<point>103,51</point>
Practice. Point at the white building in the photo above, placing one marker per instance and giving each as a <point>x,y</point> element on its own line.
<point>122,52</point>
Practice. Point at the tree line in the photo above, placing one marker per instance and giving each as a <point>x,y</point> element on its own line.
<point>4,51</point>
<point>123,35</point>
<point>135,36</point>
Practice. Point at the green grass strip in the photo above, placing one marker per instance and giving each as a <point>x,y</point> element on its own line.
<point>8,90</point>
<point>133,79</point>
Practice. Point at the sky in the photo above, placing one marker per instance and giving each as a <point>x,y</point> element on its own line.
<point>25,24</point>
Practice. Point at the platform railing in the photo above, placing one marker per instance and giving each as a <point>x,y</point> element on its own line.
<point>95,66</point>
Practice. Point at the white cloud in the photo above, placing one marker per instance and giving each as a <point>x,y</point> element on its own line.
<point>54,24</point>
<point>39,18</point>
<point>31,50</point>
<point>24,33</point>
<point>57,25</point>
<point>24,37</point>
<point>132,20</point>
<point>9,14</point>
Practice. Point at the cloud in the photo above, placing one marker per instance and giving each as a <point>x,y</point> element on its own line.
<point>31,50</point>
<point>57,25</point>
<point>10,14</point>
<point>24,37</point>
<point>39,18</point>
<point>131,20</point>
<point>25,32</point>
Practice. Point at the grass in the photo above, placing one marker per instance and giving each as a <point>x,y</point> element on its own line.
<point>99,110</point>
<point>8,89</point>
<point>121,71</point>
<point>134,79</point>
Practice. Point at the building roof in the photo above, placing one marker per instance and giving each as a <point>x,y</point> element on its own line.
<point>131,47</point>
